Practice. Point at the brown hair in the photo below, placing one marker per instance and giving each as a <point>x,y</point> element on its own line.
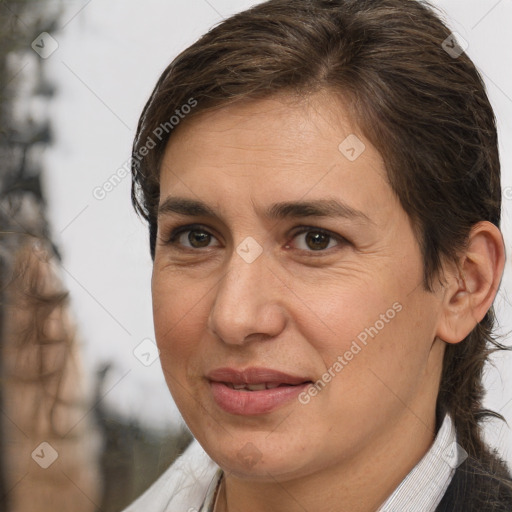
<point>424,108</point>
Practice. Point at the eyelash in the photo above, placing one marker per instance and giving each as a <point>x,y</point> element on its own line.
<point>172,238</point>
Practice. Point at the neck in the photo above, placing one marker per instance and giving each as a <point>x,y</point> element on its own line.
<point>361,484</point>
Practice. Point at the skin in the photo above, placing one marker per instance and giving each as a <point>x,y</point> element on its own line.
<point>297,308</point>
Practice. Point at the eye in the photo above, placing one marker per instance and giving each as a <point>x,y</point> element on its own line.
<point>191,237</point>
<point>315,240</point>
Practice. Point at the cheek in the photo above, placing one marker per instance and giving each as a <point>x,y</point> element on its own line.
<point>369,329</point>
<point>382,362</point>
<point>341,312</point>
<point>180,313</point>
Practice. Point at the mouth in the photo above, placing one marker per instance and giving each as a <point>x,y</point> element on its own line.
<point>256,387</point>
<point>254,390</point>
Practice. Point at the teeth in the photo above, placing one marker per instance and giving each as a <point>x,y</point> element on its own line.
<point>252,387</point>
<point>255,387</point>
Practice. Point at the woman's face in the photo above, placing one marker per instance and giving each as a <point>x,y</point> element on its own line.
<point>284,259</point>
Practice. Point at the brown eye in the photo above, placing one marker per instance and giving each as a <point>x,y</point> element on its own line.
<point>314,240</point>
<point>198,239</point>
<point>193,238</point>
<point>317,241</point>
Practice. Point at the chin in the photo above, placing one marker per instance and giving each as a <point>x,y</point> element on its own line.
<point>254,456</point>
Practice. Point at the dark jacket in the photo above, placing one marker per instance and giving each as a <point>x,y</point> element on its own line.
<point>479,487</point>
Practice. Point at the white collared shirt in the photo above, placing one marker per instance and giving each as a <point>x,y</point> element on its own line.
<point>192,482</point>
<point>423,488</point>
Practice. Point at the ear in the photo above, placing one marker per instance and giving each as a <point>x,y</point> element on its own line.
<point>472,284</point>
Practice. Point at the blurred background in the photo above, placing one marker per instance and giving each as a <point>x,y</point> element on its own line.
<point>87,421</point>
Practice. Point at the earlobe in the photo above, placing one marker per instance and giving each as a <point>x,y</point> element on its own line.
<point>473,283</point>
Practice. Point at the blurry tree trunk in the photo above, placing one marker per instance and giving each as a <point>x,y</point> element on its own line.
<point>50,447</point>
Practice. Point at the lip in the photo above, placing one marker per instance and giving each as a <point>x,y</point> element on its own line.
<point>249,403</point>
<point>254,375</point>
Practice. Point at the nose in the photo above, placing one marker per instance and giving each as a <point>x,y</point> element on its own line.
<point>248,304</point>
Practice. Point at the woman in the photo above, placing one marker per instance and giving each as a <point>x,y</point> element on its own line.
<point>322,187</point>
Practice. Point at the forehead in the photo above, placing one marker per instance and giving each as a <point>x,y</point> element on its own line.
<point>275,149</point>
<point>302,126</point>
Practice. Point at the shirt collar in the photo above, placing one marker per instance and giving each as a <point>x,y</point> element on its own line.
<point>424,487</point>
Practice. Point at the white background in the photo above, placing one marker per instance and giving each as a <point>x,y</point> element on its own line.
<point>109,57</point>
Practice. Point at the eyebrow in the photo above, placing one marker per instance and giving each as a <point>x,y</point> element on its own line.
<point>283,210</point>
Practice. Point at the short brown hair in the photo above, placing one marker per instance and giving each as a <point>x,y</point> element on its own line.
<point>424,108</point>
